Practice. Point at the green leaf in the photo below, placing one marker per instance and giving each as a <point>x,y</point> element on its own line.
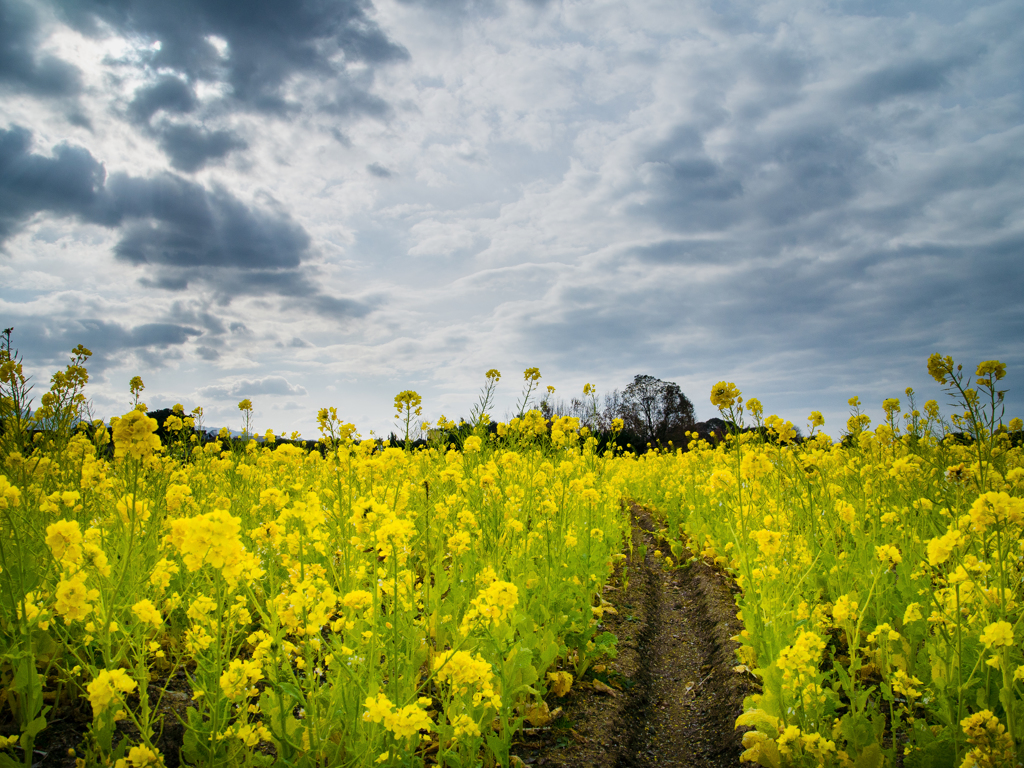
<point>26,678</point>
<point>34,727</point>
<point>870,757</point>
<point>498,747</point>
<point>190,745</point>
<point>290,690</point>
<point>607,644</point>
<point>547,651</point>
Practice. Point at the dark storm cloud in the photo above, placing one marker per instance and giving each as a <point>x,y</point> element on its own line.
<point>182,231</point>
<point>50,339</point>
<point>901,79</point>
<point>354,100</point>
<point>832,230</point>
<point>780,177</point>
<point>159,335</point>
<point>682,252</point>
<point>341,308</point>
<point>194,313</point>
<point>266,44</point>
<point>174,222</point>
<point>883,310</point>
<point>805,170</point>
<point>167,220</point>
<point>21,66</point>
<point>170,94</point>
<point>69,183</point>
<point>687,189</point>
<point>306,297</point>
<point>190,148</point>
<point>785,156</point>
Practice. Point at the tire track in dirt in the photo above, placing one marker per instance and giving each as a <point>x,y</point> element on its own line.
<point>674,697</point>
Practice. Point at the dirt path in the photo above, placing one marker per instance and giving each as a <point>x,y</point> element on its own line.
<point>673,696</point>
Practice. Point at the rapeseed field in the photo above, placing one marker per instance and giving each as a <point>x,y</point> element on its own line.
<point>359,604</point>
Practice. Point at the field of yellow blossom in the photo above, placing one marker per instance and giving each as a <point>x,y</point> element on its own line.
<point>882,577</point>
<point>343,606</point>
<point>360,605</point>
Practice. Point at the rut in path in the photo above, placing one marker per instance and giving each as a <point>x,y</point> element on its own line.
<point>680,696</point>
<point>687,697</point>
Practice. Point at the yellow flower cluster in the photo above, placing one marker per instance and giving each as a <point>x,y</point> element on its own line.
<point>135,435</point>
<point>492,606</point>
<point>799,662</point>
<point>407,721</point>
<point>140,756</point>
<point>10,496</point>
<point>991,744</point>
<point>724,395</point>
<point>238,679</point>
<point>997,634</point>
<point>466,672</point>
<point>211,539</point>
<point>108,690</point>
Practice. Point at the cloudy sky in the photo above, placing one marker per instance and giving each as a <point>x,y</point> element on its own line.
<point>325,202</point>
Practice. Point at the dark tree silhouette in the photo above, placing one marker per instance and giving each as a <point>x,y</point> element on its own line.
<point>654,411</point>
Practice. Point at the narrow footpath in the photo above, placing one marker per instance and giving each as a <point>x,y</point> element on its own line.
<point>671,697</point>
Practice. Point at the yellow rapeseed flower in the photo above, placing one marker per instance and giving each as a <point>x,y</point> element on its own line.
<point>464,671</point>
<point>464,726</point>
<point>996,634</point>
<point>724,395</point>
<point>134,435</point>
<point>493,605</point>
<point>10,495</point>
<point>990,372</point>
<point>993,746</point>
<point>147,613</point>
<point>996,507</point>
<point>888,553</point>
<point>108,688</point>
<point>64,538</point>
<point>238,679</point>
<point>74,599</point>
<point>912,613</point>
<point>140,756</point>
<point>939,367</point>
<point>939,549</point>
<point>844,609</point>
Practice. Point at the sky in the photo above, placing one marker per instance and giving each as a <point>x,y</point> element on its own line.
<point>317,203</point>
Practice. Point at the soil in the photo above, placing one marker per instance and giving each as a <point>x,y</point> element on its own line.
<point>671,697</point>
